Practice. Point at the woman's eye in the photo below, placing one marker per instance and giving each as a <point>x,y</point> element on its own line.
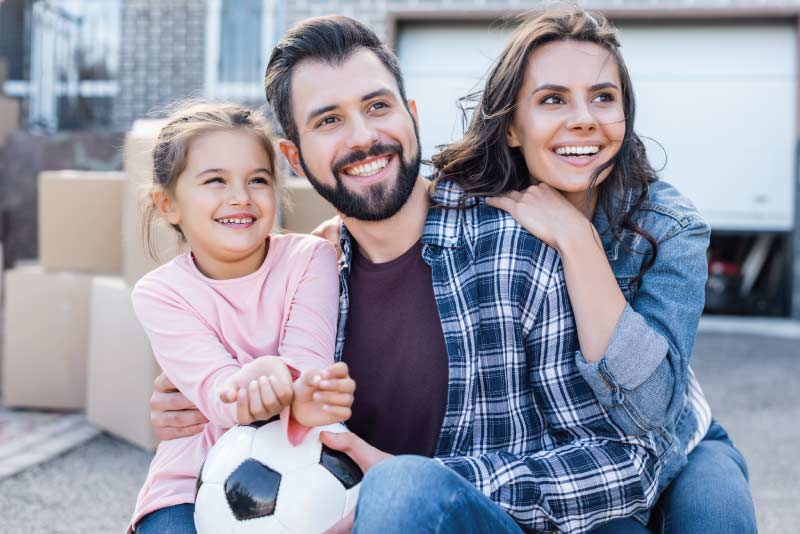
<point>604,97</point>
<point>553,99</point>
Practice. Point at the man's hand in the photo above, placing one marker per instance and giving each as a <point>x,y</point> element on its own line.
<point>363,454</point>
<point>171,414</point>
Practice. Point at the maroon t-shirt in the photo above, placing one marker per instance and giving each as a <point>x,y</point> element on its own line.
<point>394,347</point>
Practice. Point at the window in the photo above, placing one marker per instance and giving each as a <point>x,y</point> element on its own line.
<point>239,34</point>
<point>71,48</point>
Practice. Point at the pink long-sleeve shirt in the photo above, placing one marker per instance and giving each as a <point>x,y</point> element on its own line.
<point>203,330</point>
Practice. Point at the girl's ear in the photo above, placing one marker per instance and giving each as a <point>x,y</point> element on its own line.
<point>166,206</point>
<point>292,155</point>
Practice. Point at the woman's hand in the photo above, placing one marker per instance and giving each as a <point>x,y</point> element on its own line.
<point>329,231</point>
<point>544,212</point>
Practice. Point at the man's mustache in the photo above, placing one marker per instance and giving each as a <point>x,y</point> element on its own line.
<point>378,149</point>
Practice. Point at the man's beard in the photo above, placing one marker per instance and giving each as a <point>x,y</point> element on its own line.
<point>381,200</point>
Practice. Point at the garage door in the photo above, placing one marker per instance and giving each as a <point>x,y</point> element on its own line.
<point>719,99</point>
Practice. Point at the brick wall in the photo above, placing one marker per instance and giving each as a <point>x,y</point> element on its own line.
<point>162,56</point>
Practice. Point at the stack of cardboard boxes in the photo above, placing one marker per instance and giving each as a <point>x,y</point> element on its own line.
<point>71,339</point>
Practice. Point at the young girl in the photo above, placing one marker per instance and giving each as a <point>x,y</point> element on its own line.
<point>244,323</point>
<point>557,112</point>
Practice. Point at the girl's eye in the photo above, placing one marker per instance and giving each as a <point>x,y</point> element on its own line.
<point>259,180</point>
<point>553,99</point>
<point>215,179</point>
<point>604,97</point>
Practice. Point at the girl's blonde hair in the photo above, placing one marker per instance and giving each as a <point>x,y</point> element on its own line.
<point>189,121</point>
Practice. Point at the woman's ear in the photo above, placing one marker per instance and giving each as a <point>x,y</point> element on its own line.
<point>512,140</point>
<point>166,206</point>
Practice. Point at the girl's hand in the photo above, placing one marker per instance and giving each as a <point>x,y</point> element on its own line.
<point>261,389</point>
<point>544,212</point>
<point>323,397</point>
<point>329,231</point>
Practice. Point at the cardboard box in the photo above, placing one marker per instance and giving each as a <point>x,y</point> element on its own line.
<point>139,144</point>
<point>45,341</point>
<point>80,221</point>
<point>307,208</point>
<point>121,367</point>
<point>9,116</point>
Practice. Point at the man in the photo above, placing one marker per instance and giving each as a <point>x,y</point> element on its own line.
<point>454,321</point>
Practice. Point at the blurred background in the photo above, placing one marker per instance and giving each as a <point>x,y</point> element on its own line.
<point>84,82</point>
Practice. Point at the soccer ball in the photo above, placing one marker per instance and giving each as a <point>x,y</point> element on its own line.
<point>255,481</point>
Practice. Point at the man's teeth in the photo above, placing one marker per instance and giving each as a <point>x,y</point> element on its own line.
<point>246,220</point>
<point>577,150</point>
<point>368,169</point>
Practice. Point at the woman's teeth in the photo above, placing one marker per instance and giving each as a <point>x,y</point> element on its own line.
<point>247,220</point>
<point>577,150</point>
<point>368,169</point>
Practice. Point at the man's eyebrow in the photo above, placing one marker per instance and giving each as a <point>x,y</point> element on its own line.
<point>369,96</point>
<point>379,92</point>
<point>319,111</point>
<point>564,89</point>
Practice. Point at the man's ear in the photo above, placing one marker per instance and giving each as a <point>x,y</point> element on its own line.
<point>166,206</point>
<point>292,155</point>
<point>412,108</point>
<point>512,140</point>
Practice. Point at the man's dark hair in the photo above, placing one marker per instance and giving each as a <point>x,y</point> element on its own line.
<point>331,39</point>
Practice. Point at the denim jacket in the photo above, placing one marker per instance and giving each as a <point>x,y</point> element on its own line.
<point>644,379</point>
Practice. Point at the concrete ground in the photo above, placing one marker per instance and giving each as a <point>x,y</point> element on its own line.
<point>752,382</point>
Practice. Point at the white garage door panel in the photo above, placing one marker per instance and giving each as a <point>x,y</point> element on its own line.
<point>720,100</point>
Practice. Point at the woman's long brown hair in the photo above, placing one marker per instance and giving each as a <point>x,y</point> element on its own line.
<point>483,164</point>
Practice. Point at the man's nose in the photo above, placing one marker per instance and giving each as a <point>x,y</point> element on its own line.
<point>362,134</point>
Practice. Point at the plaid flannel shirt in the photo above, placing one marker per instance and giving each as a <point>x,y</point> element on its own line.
<point>521,424</point>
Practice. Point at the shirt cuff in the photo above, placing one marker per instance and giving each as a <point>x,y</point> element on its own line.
<point>633,355</point>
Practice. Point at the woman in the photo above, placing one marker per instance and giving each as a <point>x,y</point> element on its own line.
<point>551,142</point>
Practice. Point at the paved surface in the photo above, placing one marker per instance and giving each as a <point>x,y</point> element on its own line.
<point>752,382</point>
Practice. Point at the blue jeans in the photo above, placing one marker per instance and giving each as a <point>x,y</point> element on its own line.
<point>178,519</point>
<point>408,494</point>
<point>413,494</point>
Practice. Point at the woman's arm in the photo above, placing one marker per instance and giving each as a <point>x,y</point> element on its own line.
<point>634,355</point>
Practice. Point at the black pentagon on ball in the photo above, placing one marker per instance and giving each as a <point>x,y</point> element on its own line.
<point>252,490</point>
<point>341,466</point>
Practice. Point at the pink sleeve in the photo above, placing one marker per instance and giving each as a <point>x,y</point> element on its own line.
<point>309,338</point>
<point>187,350</point>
